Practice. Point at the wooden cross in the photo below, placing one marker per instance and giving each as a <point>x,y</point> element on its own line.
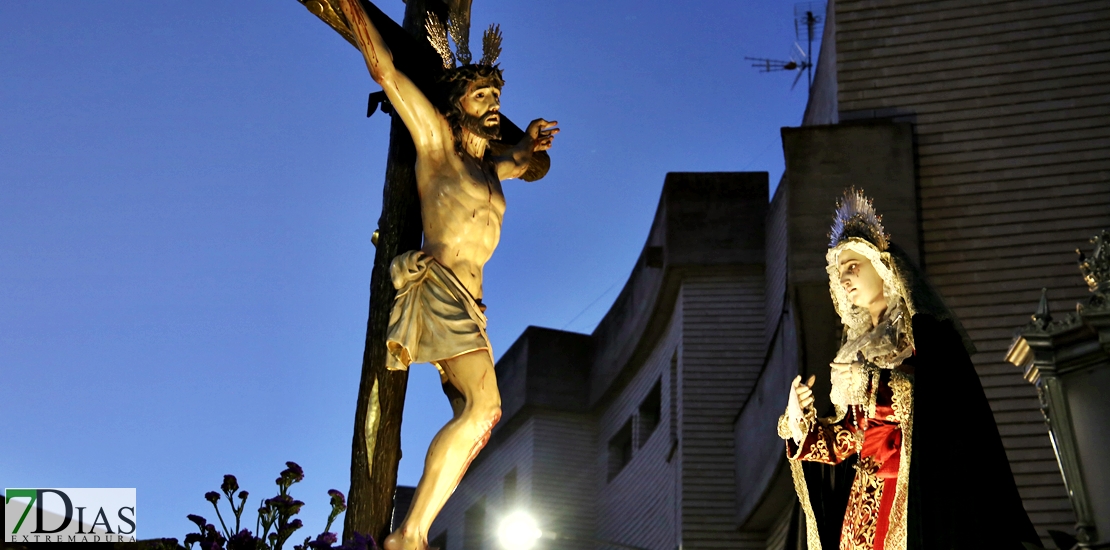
<point>376,446</point>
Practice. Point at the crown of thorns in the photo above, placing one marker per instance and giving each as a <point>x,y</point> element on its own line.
<point>460,33</point>
<point>856,217</point>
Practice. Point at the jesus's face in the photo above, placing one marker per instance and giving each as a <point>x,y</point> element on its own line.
<point>481,106</point>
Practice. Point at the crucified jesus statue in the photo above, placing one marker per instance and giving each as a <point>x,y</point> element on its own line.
<point>437,316</point>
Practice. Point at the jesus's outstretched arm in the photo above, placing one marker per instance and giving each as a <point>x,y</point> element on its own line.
<point>427,126</point>
<point>514,162</point>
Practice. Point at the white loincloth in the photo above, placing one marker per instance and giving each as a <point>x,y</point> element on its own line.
<point>434,317</point>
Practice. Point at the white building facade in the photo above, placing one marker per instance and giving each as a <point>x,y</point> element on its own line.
<point>626,435</point>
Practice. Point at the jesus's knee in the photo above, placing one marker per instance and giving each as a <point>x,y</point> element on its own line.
<point>483,414</point>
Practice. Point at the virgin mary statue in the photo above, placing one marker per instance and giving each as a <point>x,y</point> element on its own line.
<point>931,472</point>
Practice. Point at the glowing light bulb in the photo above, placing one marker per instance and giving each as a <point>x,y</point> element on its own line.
<point>518,531</point>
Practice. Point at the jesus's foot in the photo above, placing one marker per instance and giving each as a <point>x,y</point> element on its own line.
<point>398,541</point>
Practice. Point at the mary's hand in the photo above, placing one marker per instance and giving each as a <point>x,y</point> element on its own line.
<point>801,397</point>
<point>845,373</point>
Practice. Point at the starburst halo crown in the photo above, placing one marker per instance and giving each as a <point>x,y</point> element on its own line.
<point>458,30</point>
<point>856,217</point>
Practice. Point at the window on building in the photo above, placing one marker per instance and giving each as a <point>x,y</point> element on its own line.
<point>440,541</point>
<point>620,449</point>
<point>650,413</point>
<point>474,526</point>
<point>509,488</point>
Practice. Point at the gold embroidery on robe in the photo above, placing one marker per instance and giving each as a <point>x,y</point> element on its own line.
<point>862,515</point>
<point>831,440</point>
<point>901,386</point>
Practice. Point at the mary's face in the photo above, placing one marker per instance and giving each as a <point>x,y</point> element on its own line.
<point>859,279</point>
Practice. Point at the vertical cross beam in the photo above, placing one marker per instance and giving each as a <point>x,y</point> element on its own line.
<point>376,445</point>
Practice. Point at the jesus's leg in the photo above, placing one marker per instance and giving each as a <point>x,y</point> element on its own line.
<point>453,447</point>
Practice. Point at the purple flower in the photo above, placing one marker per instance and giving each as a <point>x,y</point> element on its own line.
<point>285,505</point>
<point>197,520</point>
<point>359,542</point>
<point>209,539</point>
<point>212,544</point>
<point>323,541</point>
<point>243,495</point>
<point>337,500</point>
<point>243,540</point>
<point>230,485</point>
<point>212,496</point>
<point>293,472</point>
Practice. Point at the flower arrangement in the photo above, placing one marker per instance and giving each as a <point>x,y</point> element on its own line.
<point>275,523</point>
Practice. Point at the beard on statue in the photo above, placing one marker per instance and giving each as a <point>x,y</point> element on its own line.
<point>485,126</point>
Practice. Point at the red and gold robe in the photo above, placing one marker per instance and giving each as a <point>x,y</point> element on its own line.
<point>879,432</point>
<point>959,494</point>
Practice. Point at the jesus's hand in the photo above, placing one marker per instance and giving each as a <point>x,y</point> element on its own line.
<point>541,133</point>
<point>536,138</point>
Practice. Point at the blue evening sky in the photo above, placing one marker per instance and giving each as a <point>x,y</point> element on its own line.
<point>187,194</point>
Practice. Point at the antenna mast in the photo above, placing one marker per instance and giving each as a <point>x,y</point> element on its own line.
<point>809,19</point>
<point>809,16</point>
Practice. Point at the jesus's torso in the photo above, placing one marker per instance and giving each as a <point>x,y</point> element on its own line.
<point>462,207</point>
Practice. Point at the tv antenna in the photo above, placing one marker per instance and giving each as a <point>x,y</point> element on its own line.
<point>809,21</point>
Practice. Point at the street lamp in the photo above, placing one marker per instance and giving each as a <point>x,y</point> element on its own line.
<point>519,530</point>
